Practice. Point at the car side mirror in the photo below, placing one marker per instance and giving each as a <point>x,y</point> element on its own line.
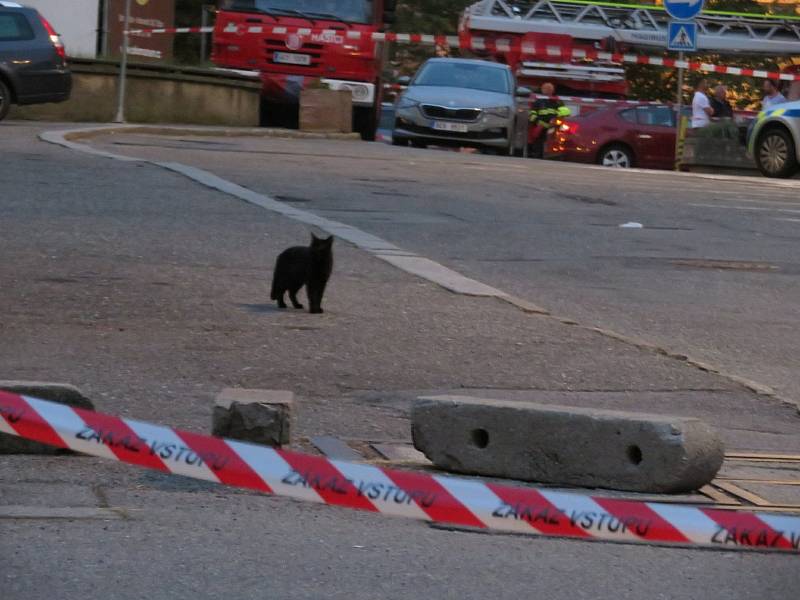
<point>404,80</point>
<point>523,92</point>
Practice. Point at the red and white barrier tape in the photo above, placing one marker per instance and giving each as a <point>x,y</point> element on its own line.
<point>435,498</point>
<point>470,42</point>
<point>171,30</point>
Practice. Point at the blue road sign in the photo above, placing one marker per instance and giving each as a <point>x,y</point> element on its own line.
<point>683,10</point>
<point>682,36</point>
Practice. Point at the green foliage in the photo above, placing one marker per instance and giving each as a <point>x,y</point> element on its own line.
<point>422,16</point>
<point>430,16</point>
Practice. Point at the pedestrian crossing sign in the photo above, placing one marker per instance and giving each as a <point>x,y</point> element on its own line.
<point>682,36</point>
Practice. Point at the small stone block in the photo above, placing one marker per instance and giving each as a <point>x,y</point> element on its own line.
<point>63,393</point>
<point>566,446</point>
<point>256,416</point>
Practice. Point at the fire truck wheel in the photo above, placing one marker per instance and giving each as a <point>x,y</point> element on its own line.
<point>364,122</point>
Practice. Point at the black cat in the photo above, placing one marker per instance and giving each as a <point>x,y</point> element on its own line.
<point>300,266</point>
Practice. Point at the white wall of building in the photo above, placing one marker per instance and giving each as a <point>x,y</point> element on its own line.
<point>75,20</point>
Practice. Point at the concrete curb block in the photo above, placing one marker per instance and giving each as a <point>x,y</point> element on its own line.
<point>755,178</point>
<point>63,393</point>
<point>200,131</point>
<point>441,275</point>
<point>288,134</point>
<point>566,446</point>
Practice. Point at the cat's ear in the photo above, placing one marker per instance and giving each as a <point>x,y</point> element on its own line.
<point>314,238</point>
<point>329,240</point>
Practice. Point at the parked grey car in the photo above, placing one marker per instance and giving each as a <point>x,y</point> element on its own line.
<point>33,66</point>
<point>462,102</point>
<point>775,140</point>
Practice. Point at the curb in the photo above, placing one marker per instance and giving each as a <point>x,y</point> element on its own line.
<point>90,132</point>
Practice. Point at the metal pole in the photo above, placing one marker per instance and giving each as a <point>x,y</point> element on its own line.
<point>203,24</point>
<point>123,65</point>
<point>679,116</point>
<point>104,33</point>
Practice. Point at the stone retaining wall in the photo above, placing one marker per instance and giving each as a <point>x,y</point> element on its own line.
<point>155,94</point>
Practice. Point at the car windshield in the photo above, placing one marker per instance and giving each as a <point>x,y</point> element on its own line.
<point>349,11</point>
<point>463,75</point>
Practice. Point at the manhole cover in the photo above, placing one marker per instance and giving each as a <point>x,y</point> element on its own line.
<point>732,265</point>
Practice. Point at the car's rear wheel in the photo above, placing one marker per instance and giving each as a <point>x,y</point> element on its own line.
<point>775,153</point>
<point>419,144</point>
<point>616,156</point>
<point>5,100</point>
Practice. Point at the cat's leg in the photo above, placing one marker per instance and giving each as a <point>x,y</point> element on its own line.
<point>280,294</point>
<point>293,296</point>
<point>315,299</point>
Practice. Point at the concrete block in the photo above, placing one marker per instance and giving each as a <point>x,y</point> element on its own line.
<point>326,110</point>
<point>257,416</point>
<point>62,393</point>
<point>566,446</point>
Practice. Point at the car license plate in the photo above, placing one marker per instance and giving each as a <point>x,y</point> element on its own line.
<point>288,58</point>
<point>446,126</point>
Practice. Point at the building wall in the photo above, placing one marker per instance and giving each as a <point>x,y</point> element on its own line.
<point>75,20</point>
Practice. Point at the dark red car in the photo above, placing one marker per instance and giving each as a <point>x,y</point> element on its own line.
<point>638,136</point>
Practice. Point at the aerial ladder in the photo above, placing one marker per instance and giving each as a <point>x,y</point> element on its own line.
<point>581,24</point>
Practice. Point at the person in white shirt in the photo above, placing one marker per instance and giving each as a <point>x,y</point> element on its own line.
<point>771,95</point>
<point>701,107</point>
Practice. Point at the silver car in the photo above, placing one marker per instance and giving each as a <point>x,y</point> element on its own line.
<point>460,102</point>
<point>775,140</point>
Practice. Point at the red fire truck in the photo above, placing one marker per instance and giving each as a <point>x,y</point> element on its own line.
<point>316,46</point>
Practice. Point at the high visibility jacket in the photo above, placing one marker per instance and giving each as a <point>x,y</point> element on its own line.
<point>545,111</point>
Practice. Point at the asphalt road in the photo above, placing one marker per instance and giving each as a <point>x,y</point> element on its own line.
<point>712,273</point>
<point>148,291</point>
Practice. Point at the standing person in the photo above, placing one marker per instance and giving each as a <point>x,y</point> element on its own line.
<point>772,95</point>
<point>701,107</point>
<point>542,119</point>
<point>719,103</point>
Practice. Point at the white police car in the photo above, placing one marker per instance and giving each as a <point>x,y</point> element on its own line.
<point>774,141</point>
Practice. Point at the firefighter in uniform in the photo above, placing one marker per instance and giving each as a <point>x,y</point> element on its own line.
<point>543,115</point>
